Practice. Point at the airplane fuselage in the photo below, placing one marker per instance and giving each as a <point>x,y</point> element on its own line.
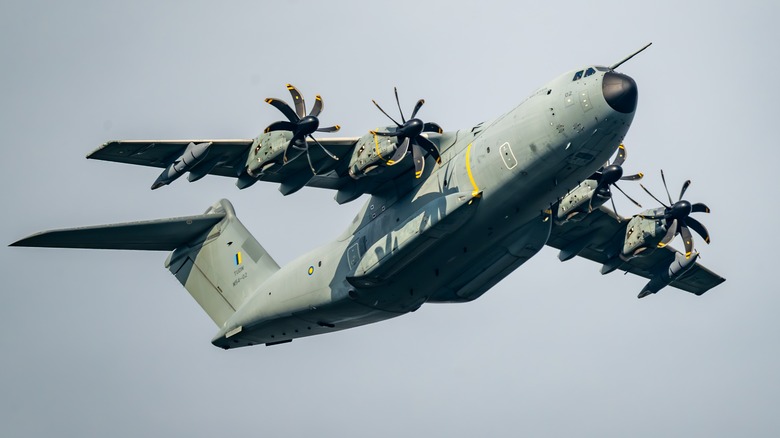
<point>492,189</point>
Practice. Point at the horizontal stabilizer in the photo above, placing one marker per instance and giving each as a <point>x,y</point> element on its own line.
<point>156,235</point>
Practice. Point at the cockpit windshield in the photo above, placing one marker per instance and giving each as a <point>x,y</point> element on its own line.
<point>587,72</point>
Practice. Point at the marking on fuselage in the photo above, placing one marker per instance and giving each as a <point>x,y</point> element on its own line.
<point>376,144</point>
<point>476,191</point>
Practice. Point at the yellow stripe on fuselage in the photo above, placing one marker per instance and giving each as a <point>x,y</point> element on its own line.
<point>468,170</point>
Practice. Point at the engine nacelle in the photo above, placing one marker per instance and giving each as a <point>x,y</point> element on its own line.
<point>576,204</point>
<point>371,155</point>
<point>643,235</point>
<point>193,154</point>
<point>267,152</point>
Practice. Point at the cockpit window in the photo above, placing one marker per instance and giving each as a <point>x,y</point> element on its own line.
<point>577,76</point>
<point>590,71</point>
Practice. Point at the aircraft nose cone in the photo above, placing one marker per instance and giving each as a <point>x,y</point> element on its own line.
<point>620,92</point>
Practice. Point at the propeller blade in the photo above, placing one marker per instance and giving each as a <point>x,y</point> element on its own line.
<point>330,154</point>
<point>292,146</point>
<point>612,200</point>
<point>311,165</point>
<point>635,177</point>
<point>419,160</point>
<point>329,128</point>
<point>432,127</point>
<point>300,105</point>
<point>699,208</point>
<point>400,153</point>
<point>699,228</point>
<point>398,102</point>
<point>663,178</point>
<point>621,156</point>
<point>687,238</point>
<point>385,134</point>
<point>626,195</point>
<point>383,112</point>
<point>280,126</point>
<point>684,188</point>
<point>284,108</point>
<point>318,106</point>
<point>599,191</point>
<point>651,195</point>
<point>670,233</point>
<point>429,147</point>
<point>417,107</point>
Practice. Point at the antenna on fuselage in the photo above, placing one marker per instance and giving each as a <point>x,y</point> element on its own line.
<point>614,66</point>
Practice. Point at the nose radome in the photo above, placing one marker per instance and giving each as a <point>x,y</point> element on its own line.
<point>619,91</point>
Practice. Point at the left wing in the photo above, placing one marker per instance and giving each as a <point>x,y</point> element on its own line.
<point>228,158</point>
<point>230,154</point>
<point>599,237</point>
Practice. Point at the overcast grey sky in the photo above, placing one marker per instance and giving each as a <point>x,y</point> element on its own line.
<point>108,343</point>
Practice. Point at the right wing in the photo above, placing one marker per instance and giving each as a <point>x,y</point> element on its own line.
<point>599,237</point>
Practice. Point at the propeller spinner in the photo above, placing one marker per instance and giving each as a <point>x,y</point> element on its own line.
<point>410,133</point>
<point>609,175</point>
<point>677,216</point>
<point>300,124</point>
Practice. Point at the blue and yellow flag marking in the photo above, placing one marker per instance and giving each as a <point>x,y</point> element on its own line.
<point>238,258</point>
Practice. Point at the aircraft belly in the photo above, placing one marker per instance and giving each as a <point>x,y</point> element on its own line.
<point>333,317</point>
<point>489,266</point>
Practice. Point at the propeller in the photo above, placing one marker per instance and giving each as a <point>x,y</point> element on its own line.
<point>609,175</point>
<point>300,124</point>
<point>677,216</point>
<point>409,132</point>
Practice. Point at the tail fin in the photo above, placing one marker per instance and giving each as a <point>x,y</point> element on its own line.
<point>214,256</point>
<point>223,267</point>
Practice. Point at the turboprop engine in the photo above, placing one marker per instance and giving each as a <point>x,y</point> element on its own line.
<point>643,235</point>
<point>371,155</point>
<point>267,152</point>
<point>578,202</point>
<point>595,191</point>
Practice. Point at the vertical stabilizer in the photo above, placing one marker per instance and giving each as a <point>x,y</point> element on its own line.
<point>223,267</point>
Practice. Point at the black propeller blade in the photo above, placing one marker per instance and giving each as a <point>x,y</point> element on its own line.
<point>678,220</point>
<point>409,133</point>
<point>609,175</point>
<point>301,125</point>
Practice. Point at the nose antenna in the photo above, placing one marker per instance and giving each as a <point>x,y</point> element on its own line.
<point>614,66</point>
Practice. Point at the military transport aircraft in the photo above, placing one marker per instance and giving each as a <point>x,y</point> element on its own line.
<point>450,213</point>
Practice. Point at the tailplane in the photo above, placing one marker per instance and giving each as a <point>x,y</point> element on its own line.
<point>213,255</point>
